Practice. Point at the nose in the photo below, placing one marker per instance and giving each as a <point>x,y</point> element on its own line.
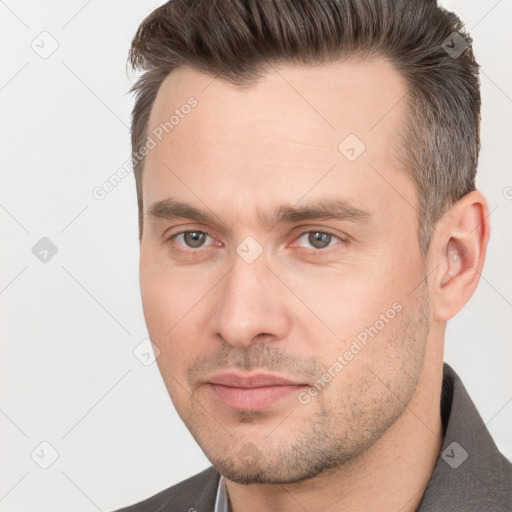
<point>251,306</point>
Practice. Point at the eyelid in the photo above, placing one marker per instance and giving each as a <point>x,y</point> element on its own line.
<point>187,227</point>
<point>184,227</point>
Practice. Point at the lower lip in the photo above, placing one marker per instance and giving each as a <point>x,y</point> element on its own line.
<point>253,399</point>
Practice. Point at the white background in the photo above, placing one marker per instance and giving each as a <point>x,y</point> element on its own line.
<point>69,326</point>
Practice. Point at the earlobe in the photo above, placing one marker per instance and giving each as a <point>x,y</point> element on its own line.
<point>465,231</point>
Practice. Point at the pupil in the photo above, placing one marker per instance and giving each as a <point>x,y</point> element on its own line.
<point>194,238</point>
<point>319,240</point>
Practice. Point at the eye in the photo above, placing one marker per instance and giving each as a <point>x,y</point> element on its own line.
<point>191,239</point>
<point>318,239</point>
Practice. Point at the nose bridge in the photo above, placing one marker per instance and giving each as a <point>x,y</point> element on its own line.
<point>248,305</point>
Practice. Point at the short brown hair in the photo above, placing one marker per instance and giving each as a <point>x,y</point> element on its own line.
<point>238,41</point>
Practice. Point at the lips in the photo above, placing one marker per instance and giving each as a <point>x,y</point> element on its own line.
<point>252,392</point>
<point>251,381</point>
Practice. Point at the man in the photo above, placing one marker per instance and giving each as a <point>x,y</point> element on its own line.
<point>309,223</point>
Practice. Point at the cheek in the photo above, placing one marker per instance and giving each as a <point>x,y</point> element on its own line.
<point>361,300</point>
<point>167,292</point>
<point>174,302</point>
<point>156,297</point>
<point>344,300</point>
<point>162,311</point>
<point>164,304</point>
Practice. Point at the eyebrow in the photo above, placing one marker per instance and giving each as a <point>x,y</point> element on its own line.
<point>325,209</point>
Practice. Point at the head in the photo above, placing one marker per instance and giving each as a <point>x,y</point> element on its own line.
<point>301,169</point>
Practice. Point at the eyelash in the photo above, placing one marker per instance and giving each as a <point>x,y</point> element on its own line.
<point>314,251</point>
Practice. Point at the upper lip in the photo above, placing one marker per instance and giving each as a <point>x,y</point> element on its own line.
<point>256,380</point>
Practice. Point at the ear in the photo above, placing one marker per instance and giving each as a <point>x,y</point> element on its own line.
<point>458,254</point>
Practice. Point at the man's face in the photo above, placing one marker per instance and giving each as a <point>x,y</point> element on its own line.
<point>292,314</point>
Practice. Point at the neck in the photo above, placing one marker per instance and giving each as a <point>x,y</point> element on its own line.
<point>393,473</point>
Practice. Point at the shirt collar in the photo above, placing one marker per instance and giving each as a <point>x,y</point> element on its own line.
<point>222,501</point>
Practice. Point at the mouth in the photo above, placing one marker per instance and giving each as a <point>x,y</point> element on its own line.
<point>254,392</point>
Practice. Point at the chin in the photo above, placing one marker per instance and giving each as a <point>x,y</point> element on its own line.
<point>272,472</point>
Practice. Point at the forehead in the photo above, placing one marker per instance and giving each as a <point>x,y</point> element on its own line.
<point>277,140</point>
<point>309,103</point>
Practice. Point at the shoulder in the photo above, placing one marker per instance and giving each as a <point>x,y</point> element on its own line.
<point>196,493</point>
<point>471,474</point>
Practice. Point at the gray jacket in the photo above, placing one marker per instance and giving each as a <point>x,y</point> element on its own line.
<point>471,475</point>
